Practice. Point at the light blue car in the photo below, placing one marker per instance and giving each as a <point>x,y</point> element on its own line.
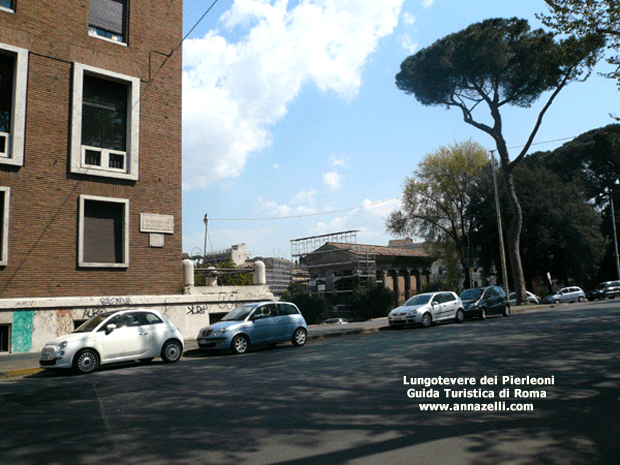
<point>566,294</point>
<point>255,324</point>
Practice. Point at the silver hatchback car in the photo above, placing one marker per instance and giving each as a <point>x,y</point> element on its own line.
<point>566,294</point>
<point>425,309</point>
<point>262,323</point>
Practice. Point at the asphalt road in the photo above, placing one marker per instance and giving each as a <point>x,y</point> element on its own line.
<point>341,400</point>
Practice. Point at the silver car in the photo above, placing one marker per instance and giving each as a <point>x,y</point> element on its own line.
<point>428,308</point>
<point>254,324</point>
<point>566,294</point>
<point>116,336</point>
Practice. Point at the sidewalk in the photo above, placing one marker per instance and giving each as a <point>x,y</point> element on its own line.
<point>13,365</point>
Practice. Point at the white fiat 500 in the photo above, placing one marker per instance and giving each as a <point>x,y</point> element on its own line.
<point>116,336</point>
<point>428,308</point>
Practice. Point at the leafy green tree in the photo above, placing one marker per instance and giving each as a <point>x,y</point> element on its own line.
<point>312,307</point>
<point>592,162</point>
<point>241,278</point>
<point>561,230</point>
<point>372,301</point>
<point>492,64</point>
<point>588,17</point>
<point>436,198</point>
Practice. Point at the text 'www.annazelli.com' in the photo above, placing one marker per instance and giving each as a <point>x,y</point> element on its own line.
<point>482,407</point>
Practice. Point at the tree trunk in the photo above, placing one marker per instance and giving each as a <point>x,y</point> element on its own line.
<point>514,238</point>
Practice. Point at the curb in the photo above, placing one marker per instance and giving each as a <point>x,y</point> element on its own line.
<point>20,372</point>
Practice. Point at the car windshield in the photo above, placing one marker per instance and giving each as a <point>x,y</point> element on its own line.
<point>91,324</point>
<point>471,294</point>
<point>240,313</point>
<point>420,299</point>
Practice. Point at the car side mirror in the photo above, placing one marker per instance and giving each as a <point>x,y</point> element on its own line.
<point>111,327</point>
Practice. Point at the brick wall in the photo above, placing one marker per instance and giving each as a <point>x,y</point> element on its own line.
<point>43,223</point>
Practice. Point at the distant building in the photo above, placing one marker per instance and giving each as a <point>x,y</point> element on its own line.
<point>236,254</point>
<point>279,274</point>
<point>337,269</point>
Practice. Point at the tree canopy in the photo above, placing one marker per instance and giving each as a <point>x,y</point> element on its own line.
<point>436,197</point>
<point>561,230</point>
<point>589,17</point>
<point>494,63</point>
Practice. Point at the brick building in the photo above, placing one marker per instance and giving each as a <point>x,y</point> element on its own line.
<point>90,147</point>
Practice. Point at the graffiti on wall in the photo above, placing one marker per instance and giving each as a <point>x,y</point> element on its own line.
<point>22,331</point>
<point>197,309</point>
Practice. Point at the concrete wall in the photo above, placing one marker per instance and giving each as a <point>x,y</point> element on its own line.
<point>35,321</point>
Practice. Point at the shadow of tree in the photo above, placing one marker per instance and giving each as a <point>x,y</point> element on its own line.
<point>336,401</point>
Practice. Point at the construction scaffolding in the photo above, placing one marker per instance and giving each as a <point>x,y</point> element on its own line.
<point>307,245</point>
<point>336,265</point>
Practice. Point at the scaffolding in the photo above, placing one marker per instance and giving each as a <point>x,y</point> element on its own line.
<point>349,265</point>
<point>307,245</point>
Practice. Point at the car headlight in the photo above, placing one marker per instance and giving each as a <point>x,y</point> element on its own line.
<point>62,345</point>
<point>220,332</point>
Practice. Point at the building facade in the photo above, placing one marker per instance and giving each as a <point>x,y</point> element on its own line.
<point>90,148</point>
<point>235,254</point>
<point>337,269</point>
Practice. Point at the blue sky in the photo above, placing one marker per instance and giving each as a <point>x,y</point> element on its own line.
<point>293,126</point>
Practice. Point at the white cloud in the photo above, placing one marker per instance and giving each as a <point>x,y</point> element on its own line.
<point>234,92</point>
<point>427,3</point>
<point>276,166</point>
<point>304,197</point>
<point>408,18</point>
<point>332,180</point>
<point>407,43</point>
<point>335,161</point>
<point>272,208</point>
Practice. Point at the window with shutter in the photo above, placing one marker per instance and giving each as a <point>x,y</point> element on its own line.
<point>103,232</point>
<point>107,18</point>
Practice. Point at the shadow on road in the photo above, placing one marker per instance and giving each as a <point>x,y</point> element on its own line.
<point>335,401</point>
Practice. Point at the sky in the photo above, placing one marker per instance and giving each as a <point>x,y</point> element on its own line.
<point>293,125</point>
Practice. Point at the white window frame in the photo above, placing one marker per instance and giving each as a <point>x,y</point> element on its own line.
<point>81,262</point>
<point>8,10</point>
<point>4,253</point>
<point>15,140</point>
<point>78,164</point>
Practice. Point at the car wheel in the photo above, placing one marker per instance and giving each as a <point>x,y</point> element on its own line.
<point>300,336</point>
<point>171,351</point>
<point>240,344</point>
<point>427,320</point>
<point>460,315</point>
<point>86,361</point>
<point>556,301</point>
<point>483,313</point>
<point>146,360</point>
<point>580,299</point>
<point>506,310</point>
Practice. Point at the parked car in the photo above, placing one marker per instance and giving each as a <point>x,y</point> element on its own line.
<point>335,321</point>
<point>483,301</point>
<point>255,324</point>
<point>115,336</point>
<point>606,290</point>
<point>428,308</point>
<point>566,294</point>
<point>531,298</point>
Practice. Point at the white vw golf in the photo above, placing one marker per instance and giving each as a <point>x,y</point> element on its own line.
<point>428,308</point>
<point>116,336</point>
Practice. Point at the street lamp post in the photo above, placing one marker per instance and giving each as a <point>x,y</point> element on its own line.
<point>613,223</point>
<point>204,250</point>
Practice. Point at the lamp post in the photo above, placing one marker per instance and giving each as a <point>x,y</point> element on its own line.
<point>613,223</point>
<point>204,250</point>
